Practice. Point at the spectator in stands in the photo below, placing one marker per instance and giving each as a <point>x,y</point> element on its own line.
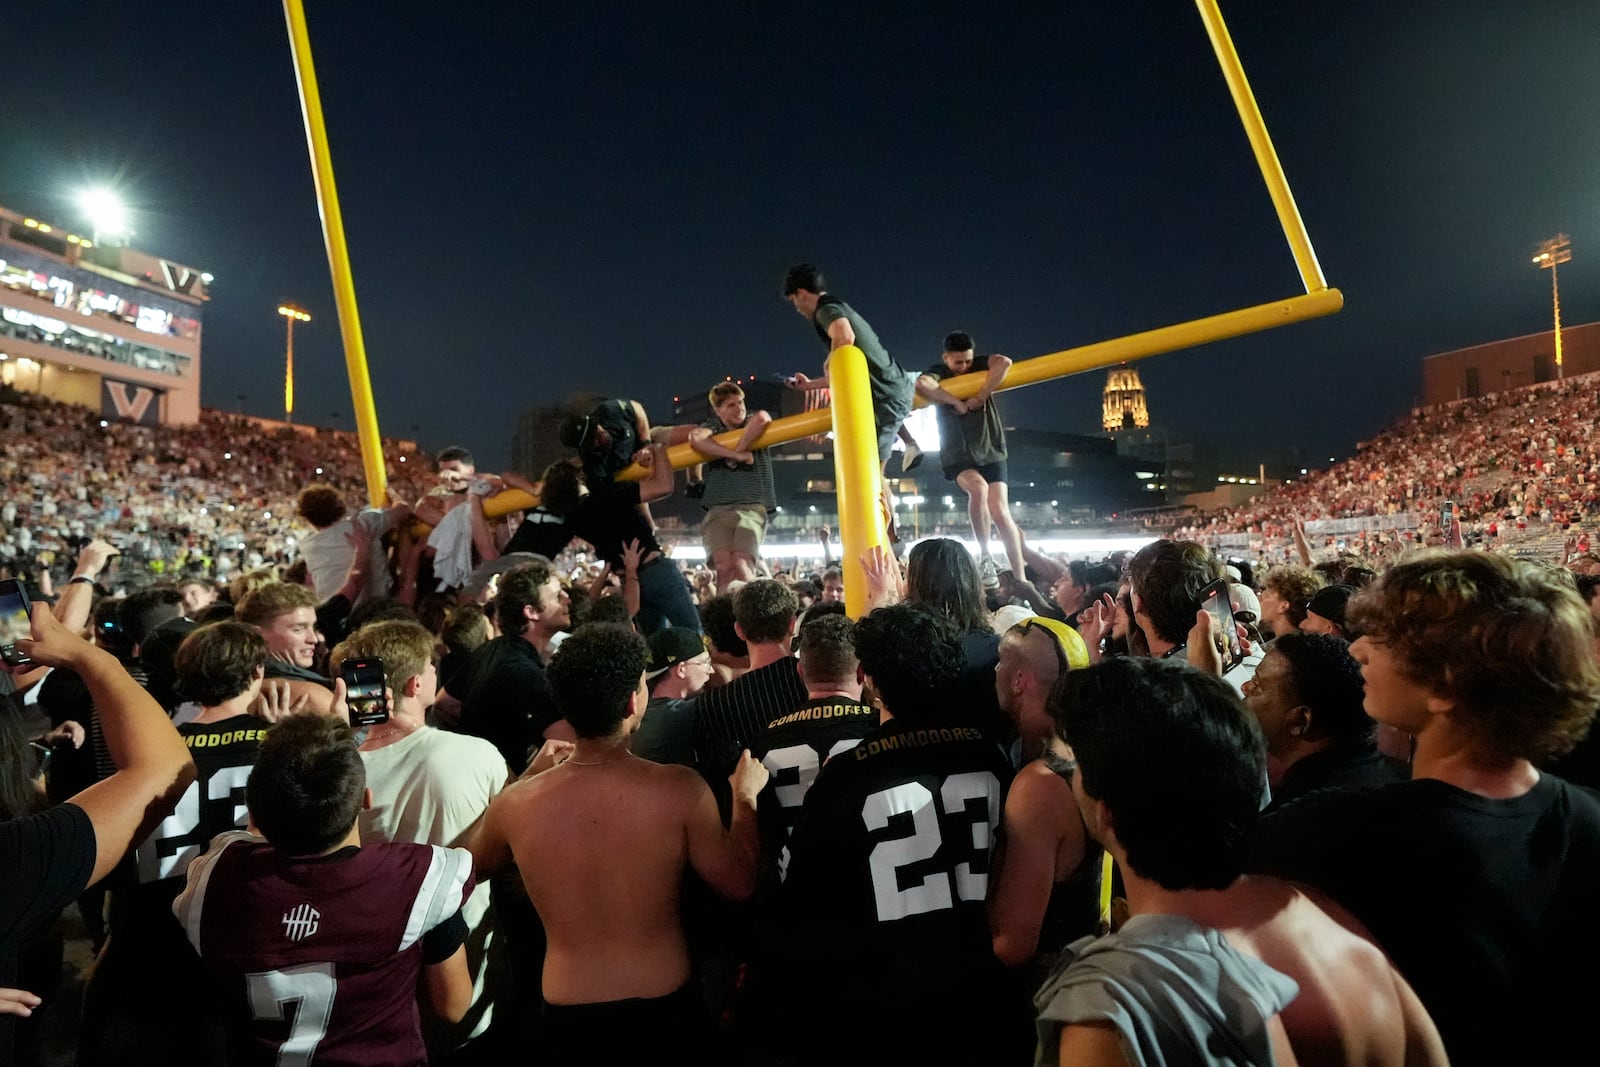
<point>52,856</point>
<point>1284,595</point>
<point>679,667</point>
<point>1478,876</point>
<point>1307,695</point>
<point>429,787</point>
<point>603,842</point>
<point>356,933</point>
<point>1168,780</point>
<point>504,693</point>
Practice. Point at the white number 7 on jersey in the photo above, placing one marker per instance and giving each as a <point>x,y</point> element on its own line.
<point>312,986</point>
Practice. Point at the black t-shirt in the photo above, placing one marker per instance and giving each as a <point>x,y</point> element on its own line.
<point>975,438</point>
<point>608,517</point>
<point>794,748</point>
<point>506,698</point>
<point>732,717</point>
<point>277,668</point>
<point>885,879</point>
<point>1354,767</point>
<point>601,464</point>
<point>666,733</point>
<point>144,889</point>
<point>542,532</point>
<point>892,390</point>
<point>1486,906</point>
<point>47,859</point>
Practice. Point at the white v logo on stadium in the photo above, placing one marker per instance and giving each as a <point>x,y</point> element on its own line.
<point>300,922</point>
<point>126,400</point>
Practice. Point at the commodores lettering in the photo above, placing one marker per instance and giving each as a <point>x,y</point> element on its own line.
<point>916,739</point>
<point>830,711</point>
<point>232,737</point>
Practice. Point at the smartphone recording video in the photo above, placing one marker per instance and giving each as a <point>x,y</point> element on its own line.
<point>365,691</point>
<point>16,621</point>
<point>1217,604</point>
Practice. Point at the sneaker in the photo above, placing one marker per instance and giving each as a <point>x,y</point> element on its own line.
<point>911,458</point>
<point>988,573</point>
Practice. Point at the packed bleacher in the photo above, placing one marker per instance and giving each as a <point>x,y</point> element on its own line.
<point>414,784</point>
<point>1521,466</point>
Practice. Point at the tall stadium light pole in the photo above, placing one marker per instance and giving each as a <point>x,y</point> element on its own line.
<point>1556,250</point>
<point>293,315</point>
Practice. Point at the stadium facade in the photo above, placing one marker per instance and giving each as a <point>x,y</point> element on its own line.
<point>104,326</point>
<point>1509,364</point>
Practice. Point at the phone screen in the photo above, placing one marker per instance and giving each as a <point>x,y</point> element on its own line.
<point>364,691</point>
<point>1447,517</point>
<point>15,621</point>
<point>1218,605</point>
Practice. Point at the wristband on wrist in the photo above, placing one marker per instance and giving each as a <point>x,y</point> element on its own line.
<point>84,578</point>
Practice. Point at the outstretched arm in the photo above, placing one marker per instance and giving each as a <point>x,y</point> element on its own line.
<point>153,762</point>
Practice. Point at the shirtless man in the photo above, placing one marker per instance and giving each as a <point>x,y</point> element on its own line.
<point>602,841</point>
<point>1046,877</point>
<point>1169,776</point>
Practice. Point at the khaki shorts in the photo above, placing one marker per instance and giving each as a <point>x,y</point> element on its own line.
<point>734,527</point>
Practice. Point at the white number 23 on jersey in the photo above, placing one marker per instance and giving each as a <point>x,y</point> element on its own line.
<point>939,888</point>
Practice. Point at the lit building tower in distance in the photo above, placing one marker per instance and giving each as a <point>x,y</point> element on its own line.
<point>1122,403</point>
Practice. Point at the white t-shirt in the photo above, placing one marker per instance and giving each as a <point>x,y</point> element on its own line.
<point>327,555</point>
<point>431,787</point>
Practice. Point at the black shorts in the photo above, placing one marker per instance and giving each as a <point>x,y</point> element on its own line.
<point>619,1031</point>
<point>992,472</point>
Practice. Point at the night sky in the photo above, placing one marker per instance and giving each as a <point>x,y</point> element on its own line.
<point>564,197</point>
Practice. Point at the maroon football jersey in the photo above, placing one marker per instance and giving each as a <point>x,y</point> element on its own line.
<point>321,956</point>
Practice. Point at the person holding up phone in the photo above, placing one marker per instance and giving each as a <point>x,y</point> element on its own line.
<point>51,857</point>
<point>428,786</point>
<point>1170,580</point>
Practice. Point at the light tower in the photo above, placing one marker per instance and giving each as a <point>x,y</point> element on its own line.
<point>1122,403</point>
<point>1556,250</point>
<point>293,315</point>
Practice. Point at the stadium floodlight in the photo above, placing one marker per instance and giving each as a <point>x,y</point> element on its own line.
<point>1552,252</point>
<point>293,315</point>
<point>107,215</point>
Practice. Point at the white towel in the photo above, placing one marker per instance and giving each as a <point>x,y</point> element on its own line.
<point>451,542</point>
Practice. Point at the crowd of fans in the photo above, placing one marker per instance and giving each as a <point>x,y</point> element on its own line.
<point>209,500</point>
<point>426,785</point>
<point>1511,461</point>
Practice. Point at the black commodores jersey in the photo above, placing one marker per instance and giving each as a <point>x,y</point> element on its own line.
<point>796,745</point>
<point>885,878</point>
